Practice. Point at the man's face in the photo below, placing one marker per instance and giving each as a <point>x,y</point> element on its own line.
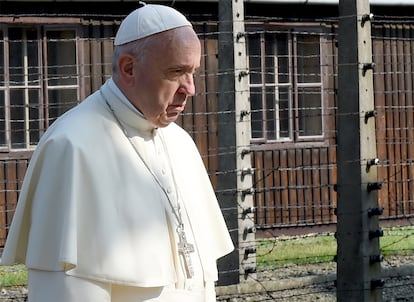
<point>164,77</point>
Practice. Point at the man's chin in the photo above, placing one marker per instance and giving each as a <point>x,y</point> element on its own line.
<point>166,121</point>
<point>173,116</point>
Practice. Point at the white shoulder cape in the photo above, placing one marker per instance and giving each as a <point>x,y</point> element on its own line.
<point>89,205</point>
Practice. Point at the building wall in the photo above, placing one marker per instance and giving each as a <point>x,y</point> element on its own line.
<point>294,180</point>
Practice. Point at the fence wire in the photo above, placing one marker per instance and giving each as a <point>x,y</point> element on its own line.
<point>293,94</point>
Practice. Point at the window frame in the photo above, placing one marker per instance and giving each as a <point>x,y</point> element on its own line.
<point>292,31</point>
<point>41,88</point>
<point>46,86</point>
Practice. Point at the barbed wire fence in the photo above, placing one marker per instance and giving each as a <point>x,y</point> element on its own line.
<point>293,169</point>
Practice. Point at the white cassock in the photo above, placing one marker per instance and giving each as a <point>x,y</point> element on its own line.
<point>96,205</point>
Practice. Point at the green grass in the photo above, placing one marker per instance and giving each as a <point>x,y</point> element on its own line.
<point>398,241</point>
<point>273,253</point>
<point>15,275</point>
<point>296,250</point>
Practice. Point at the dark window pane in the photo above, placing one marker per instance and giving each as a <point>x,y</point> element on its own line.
<point>1,59</point>
<point>255,60</point>
<point>33,70</point>
<point>270,113</point>
<point>35,123</point>
<point>61,58</point>
<point>270,58</point>
<point>310,112</point>
<point>284,109</point>
<point>3,142</point>
<point>308,58</point>
<point>16,60</point>
<point>17,118</point>
<point>256,112</point>
<point>282,45</point>
<point>60,100</point>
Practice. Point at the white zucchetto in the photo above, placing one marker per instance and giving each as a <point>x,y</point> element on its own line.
<point>148,20</point>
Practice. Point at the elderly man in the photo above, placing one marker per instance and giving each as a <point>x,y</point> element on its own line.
<point>116,204</point>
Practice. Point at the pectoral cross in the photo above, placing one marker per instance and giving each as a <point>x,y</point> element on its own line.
<point>184,249</point>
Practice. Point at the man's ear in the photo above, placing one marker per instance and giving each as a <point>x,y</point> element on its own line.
<point>126,68</point>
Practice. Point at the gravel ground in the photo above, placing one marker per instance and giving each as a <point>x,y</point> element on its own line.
<point>310,283</point>
<point>301,283</point>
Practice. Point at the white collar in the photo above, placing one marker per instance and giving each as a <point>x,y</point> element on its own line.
<point>115,89</point>
<point>124,110</point>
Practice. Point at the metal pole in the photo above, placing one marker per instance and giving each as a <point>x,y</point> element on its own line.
<point>358,232</point>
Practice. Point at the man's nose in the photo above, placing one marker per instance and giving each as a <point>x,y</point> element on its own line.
<point>187,85</point>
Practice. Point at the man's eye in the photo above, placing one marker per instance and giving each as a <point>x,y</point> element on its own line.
<point>178,71</point>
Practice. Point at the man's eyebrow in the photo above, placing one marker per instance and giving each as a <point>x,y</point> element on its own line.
<point>183,67</point>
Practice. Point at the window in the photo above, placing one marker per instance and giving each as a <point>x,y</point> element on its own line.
<point>285,86</point>
<point>61,68</point>
<point>38,82</point>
